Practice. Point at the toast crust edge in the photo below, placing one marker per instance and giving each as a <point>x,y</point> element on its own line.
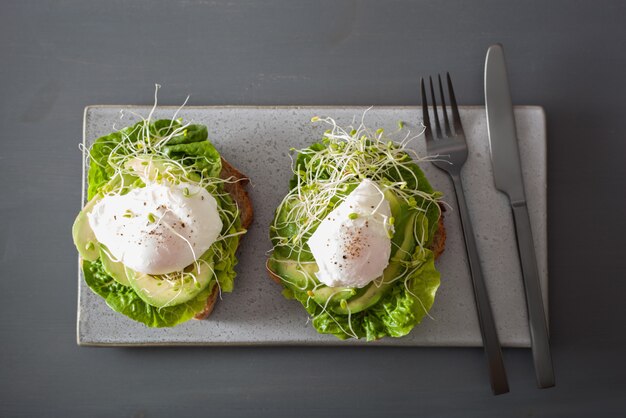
<point>237,190</point>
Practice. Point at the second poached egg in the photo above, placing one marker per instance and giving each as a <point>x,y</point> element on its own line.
<point>352,245</point>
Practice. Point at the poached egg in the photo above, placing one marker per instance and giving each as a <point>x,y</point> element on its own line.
<point>157,229</point>
<point>352,245</point>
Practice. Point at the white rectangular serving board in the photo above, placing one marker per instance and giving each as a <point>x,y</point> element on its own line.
<point>256,140</point>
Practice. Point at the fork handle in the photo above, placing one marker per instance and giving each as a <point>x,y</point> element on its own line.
<point>497,374</point>
<point>534,302</point>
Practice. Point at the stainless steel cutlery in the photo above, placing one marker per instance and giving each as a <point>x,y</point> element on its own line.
<point>447,146</point>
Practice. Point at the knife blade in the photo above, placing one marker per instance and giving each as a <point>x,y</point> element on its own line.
<point>507,171</point>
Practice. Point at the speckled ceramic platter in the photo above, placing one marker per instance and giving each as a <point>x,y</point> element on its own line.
<point>257,140</point>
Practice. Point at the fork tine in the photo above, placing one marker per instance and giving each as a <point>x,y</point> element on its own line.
<point>435,115</point>
<point>446,122</point>
<point>456,118</point>
<point>428,133</point>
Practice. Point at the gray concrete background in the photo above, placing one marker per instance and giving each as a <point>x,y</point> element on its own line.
<point>57,57</point>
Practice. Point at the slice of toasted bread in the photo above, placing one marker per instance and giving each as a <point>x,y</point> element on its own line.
<point>439,240</point>
<point>210,304</point>
<point>237,190</point>
<point>437,246</point>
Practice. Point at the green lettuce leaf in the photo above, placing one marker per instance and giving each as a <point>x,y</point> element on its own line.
<point>192,142</point>
<point>124,300</point>
<point>210,159</point>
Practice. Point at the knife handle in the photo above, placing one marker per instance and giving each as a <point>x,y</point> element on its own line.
<point>497,373</point>
<point>534,302</point>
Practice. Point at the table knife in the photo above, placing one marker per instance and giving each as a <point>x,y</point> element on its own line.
<point>507,173</point>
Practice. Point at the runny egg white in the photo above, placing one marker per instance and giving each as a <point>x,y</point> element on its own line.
<point>352,245</point>
<point>157,229</point>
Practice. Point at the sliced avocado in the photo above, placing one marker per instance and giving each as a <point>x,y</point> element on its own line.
<point>161,291</point>
<point>297,275</point>
<point>372,293</point>
<point>84,238</point>
<point>114,269</point>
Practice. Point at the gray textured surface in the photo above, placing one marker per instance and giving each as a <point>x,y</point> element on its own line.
<point>60,56</point>
<point>257,141</point>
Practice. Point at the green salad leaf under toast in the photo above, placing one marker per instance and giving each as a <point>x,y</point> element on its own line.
<point>176,153</point>
<point>324,174</point>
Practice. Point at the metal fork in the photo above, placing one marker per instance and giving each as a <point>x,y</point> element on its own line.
<point>454,146</point>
